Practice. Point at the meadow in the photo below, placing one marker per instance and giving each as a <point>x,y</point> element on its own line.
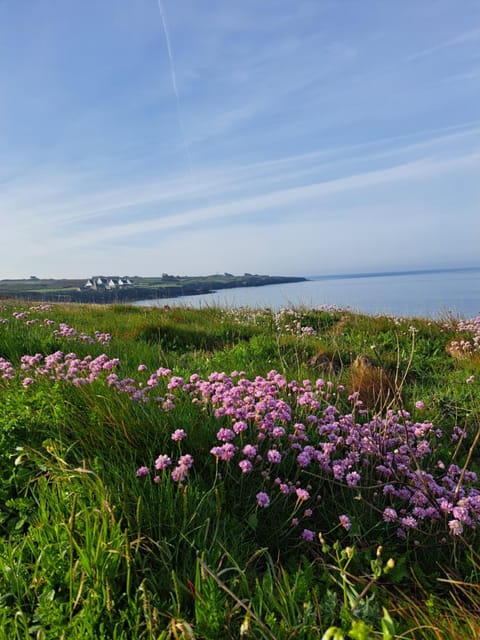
<point>215,473</point>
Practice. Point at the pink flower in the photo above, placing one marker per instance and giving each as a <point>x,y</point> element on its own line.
<point>389,515</point>
<point>175,382</point>
<point>308,535</point>
<point>262,499</point>
<point>249,450</point>
<point>142,471</point>
<point>178,434</point>
<point>179,473</point>
<point>353,478</point>
<point>245,465</point>
<point>274,456</point>
<point>302,494</point>
<point>186,461</point>
<point>162,462</point>
<point>419,404</point>
<point>240,426</point>
<point>226,452</point>
<point>345,522</point>
<point>456,527</point>
<point>409,522</point>
<point>225,435</point>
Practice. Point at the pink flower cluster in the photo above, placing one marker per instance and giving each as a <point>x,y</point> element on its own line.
<point>290,321</point>
<point>67,367</point>
<point>163,462</point>
<point>7,371</point>
<point>70,333</point>
<point>144,392</point>
<point>465,347</point>
<point>64,331</point>
<point>271,425</point>
<point>41,307</point>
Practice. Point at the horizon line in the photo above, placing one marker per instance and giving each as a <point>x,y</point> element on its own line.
<point>383,274</point>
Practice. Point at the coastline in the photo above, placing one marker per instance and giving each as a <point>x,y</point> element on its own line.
<point>141,288</point>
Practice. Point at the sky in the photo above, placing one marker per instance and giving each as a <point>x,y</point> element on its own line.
<point>195,137</point>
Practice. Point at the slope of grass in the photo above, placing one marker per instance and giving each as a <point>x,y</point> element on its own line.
<point>219,473</point>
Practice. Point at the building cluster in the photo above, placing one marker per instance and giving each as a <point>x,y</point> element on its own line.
<point>101,282</point>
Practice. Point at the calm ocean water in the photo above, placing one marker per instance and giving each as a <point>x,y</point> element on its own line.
<point>432,294</point>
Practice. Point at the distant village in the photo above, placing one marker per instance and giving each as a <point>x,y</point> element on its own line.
<point>101,283</point>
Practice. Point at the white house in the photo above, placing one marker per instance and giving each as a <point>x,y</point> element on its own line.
<point>102,282</point>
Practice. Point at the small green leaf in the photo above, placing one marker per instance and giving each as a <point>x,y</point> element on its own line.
<point>388,626</point>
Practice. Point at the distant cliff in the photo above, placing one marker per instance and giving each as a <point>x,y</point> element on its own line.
<point>138,288</point>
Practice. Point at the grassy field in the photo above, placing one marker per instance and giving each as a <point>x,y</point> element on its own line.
<point>214,473</point>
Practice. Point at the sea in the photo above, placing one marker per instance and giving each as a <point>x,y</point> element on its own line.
<point>435,294</point>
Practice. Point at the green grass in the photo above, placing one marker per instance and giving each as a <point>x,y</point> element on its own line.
<point>90,550</point>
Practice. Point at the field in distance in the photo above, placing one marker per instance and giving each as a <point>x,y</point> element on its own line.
<point>104,289</point>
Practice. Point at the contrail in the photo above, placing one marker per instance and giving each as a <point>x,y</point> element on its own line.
<point>174,85</point>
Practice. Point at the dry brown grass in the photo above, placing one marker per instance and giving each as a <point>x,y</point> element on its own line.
<point>372,383</point>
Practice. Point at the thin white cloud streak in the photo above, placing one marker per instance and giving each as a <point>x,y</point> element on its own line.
<point>467,36</point>
<point>411,171</point>
<point>174,85</point>
<point>323,246</point>
<point>51,198</point>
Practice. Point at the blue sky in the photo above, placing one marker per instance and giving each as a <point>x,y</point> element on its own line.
<point>271,136</point>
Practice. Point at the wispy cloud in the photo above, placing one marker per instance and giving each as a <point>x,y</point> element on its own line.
<point>51,197</point>
<point>301,125</point>
<point>471,35</point>
<point>290,197</point>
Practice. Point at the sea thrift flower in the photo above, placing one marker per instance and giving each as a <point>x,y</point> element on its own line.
<point>262,499</point>
<point>409,522</point>
<point>345,522</point>
<point>245,465</point>
<point>308,535</point>
<point>225,452</point>
<point>175,382</point>
<point>186,460</point>
<point>389,514</point>
<point>142,471</point>
<point>274,456</point>
<point>225,435</point>
<point>353,478</point>
<point>304,459</point>
<point>162,462</point>
<point>239,426</point>
<point>179,473</point>
<point>302,494</point>
<point>419,404</point>
<point>249,450</point>
<point>456,527</point>
<point>178,435</point>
